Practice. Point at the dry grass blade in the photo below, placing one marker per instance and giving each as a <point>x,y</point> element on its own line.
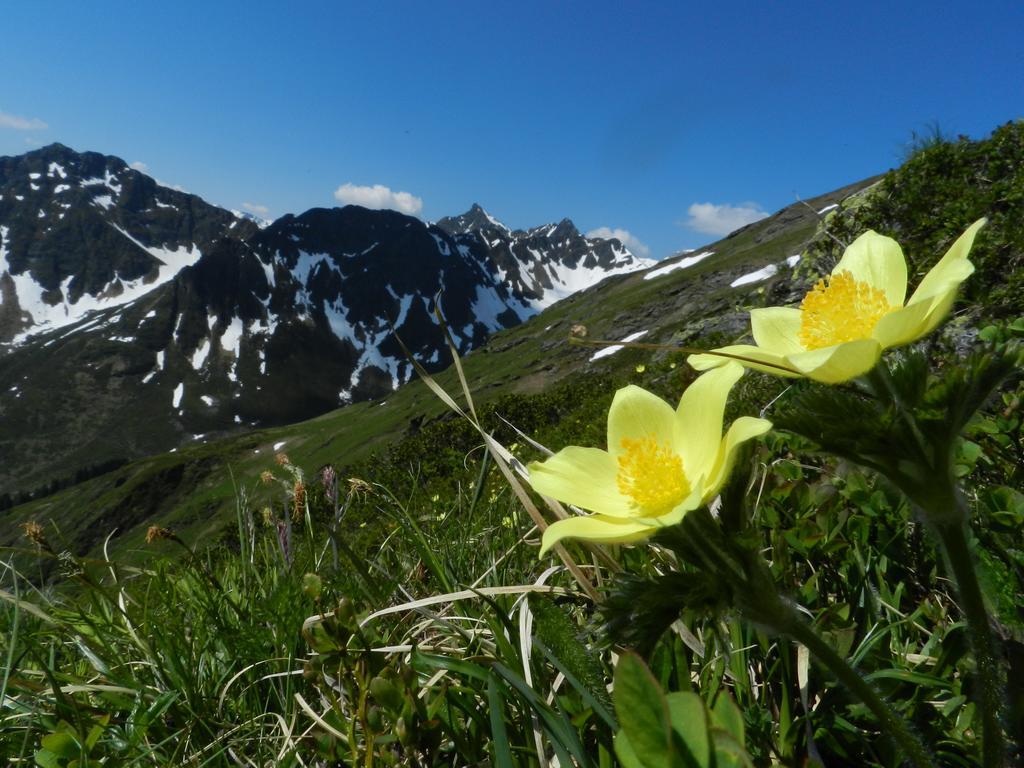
<point>319,720</point>
<point>503,458</point>
<point>450,597</point>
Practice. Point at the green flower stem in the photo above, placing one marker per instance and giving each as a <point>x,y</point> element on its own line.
<point>988,695</point>
<point>934,490</point>
<point>798,629</point>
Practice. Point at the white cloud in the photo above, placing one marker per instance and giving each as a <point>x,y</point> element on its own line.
<point>259,210</point>
<point>21,123</point>
<point>711,219</point>
<point>625,237</point>
<point>140,166</point>
<point>32,141</point>
<point>378,196</point>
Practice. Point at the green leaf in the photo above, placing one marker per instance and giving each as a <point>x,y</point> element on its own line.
<point>156,709</point>
<point>46,759</point>
<point>726,716</point>
<point>644,713</point>
<point>428,662</point>
<point>61,744</point>
<point>689,719</point>
<point>499,734</point>
<point>96,732</point>
<point>625,752</point>
<point>319,639</point>
<point>563,736</point>
<point>730,753</point>
<point>601,704</point>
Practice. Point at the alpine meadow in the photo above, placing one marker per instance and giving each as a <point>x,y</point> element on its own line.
<point>282,494</point>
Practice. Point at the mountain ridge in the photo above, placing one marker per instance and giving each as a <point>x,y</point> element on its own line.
<point>173,318</point>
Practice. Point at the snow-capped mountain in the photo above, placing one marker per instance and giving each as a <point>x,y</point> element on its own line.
<point>543,264</point>
<point>83,231</point>
<point>133,316</point>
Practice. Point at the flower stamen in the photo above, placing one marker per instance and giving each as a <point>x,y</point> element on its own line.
<point>840,309</point>
<point>651,476</point>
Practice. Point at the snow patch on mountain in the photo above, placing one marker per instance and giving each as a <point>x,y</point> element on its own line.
<point>486,308</point>
<point>48,315</point>
<point>231,337</point>
<point>612,349</point>
<point>764,273</point>
<point>200,355</point>
<point>566,280</point>
<point>442,245</point>
<point>687,261</point>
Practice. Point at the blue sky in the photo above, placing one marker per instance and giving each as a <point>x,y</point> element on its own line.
<point>671,121</point>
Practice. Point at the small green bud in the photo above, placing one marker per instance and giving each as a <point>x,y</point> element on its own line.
<point>312,586</point>
<point>346,613</point>
<point>386,693</point>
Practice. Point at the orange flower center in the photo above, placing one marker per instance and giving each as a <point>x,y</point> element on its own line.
<point>651,476</point>
<point>839,309</point>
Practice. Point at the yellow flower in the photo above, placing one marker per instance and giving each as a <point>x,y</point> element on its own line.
<point>847,319</point>
<point>660,463</point>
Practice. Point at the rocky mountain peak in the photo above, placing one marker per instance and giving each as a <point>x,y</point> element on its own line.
<point>476,219</point>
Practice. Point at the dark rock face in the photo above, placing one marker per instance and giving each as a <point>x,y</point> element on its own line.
<point>133,316</point>
<point>75,225</point>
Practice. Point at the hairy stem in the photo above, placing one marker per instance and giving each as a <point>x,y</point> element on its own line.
<point>989,688</point>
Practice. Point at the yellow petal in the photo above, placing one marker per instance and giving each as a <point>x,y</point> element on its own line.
<point>952,269</point>
<point>607,530</point>
<point>878,261</point>
<point>777,329</point>
<point>584,477</point>
<point>831,365</point>
<point>699,420</point>
<point>938,309</point>
<point>904,325</point>
<point>746,355</point>
<point>743,429</point>
<point>636,414</point>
